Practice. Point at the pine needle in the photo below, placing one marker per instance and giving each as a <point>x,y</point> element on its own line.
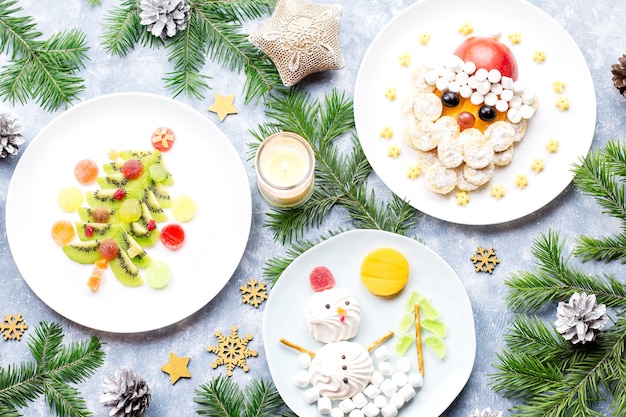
<point>54,369</point>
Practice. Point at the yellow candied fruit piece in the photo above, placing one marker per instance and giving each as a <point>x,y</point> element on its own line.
<point>558,86</point>
<point>521,180</point>
<point>562,103</point>
<point>413,172</point>
<point>386,132</point>
<point>391,93</point>
<point>113,154</point>
<point>70,199</point>
<point>385,271</point>
<point>183,208</point>
<point>515,37</point>
<point>537,164</point>
<point>552,146</point>
<point>539,56</point>
<point>424,38</point>
<point>462,198</point>
<point>394,151</point>
<point>466,28</point>
<point>497,191</point>
<point>404,59</point>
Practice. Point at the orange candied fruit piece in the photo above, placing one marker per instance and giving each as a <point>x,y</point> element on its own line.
<point>94,283</point>
<point>63,232</point>
<point>102,263</point>
<point>86,171</point>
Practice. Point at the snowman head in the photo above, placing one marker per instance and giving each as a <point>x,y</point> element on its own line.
<point>332,313</point>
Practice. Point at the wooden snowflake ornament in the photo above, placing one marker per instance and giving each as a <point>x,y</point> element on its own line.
<point>253,293</point>
<point>301,38</point>
<point>485,260</point>
<point>13,327</point>
<point>231,351</point>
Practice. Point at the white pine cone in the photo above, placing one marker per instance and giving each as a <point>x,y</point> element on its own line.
<point>128,394</point>
<point>580,319</point>
<point>10,135</point>
<point>164,18</point>
<point>486,413</point>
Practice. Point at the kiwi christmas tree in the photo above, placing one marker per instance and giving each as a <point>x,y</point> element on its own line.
<point>121,217</point>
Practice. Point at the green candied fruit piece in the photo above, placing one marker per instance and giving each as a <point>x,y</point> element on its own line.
<point>436,344</point>
<point>406,322</point>
<point>409,305</point>
<point>158,172</point>
<point>403,343</point>
<point>427,311</point>
<point>158,274</point>
<point>435,326</point>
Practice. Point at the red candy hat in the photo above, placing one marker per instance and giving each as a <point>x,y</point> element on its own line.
<point>321,279</point>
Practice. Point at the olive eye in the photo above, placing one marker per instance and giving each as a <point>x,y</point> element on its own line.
<point>347,303</point>
<point>450,99</point>
<point>345,380</point>
<point>487,113</point>
<point>327,306</point>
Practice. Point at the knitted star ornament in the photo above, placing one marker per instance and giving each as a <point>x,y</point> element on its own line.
<point>301,38</point>
<point>10,135</point>
<point>580,319</point>
<point>164,18</point>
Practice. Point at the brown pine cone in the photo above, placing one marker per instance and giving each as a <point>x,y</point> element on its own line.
<point>619,75</point>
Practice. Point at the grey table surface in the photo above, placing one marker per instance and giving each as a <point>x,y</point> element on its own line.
<point>596,27</point>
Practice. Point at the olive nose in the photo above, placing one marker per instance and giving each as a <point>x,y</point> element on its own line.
<point>465,120</point>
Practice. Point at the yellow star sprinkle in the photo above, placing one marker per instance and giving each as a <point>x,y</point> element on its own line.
<point>391,93</point>
<point>393,151</point>
<point>537,164</point>
<point>223,106</point>
<point>176,367</point>
<point>521,180</point>
<point>466,28</point>
<point>497,191</point>
<point>386,132</point>
<point>562,103</point>
<point>539,56</point>
<point>424,38</point>
<point>404,59</point>
<point>515,38</point>
<point>552,146</point>
<point>462,198</point>
<point>413,172</point>
<point>558,86</point>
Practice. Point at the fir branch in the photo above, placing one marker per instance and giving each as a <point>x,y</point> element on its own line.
<point>222,397</point>
<point>55,367</point>
<point>341,180</point>
<point>554,280</point>
<point>94,2</point>
<point>121,28</point>
<point>44,70</point>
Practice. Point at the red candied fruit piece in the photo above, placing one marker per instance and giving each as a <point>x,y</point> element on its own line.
<point>321,279</point>
<point>172,236</point>
<point>132,169</point>
<point>151,225</point>
<point>119,194</point>
<point>88,231</point>
<point>108,248</point>
<point>163,138</point>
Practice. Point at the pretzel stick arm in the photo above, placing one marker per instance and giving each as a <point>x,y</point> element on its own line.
<point>296,347</point>
<point>379,341</point>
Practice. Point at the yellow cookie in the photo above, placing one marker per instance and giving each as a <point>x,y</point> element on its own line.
<point>384,272</point>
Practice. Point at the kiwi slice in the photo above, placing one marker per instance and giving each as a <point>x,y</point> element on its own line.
<point>131,154</point>
<point>112,167</point>
<point>86,214</point>
<point>125,270</point>
<point>155,208</point>
<point>161,194</point>
<point>93,231</point>
<point>83,252</point>
<point>142,235</point>
<point>102,198</point>
<point>114,180</point>
<point>134,250</point>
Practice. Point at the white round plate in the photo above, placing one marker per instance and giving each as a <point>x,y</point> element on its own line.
<point>573,129</point>
<point>204,165</point>
<point>430,275</point>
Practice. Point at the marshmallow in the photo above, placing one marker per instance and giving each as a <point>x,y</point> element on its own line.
<point>407,392</point>
<point>403,365</point>
<point>494,76</point>
<point>481,74</point>
<point>388,387</point>
<point>382,353</point>
<point>336,412</point>
<point>491,99</point>
<point>347,405</point>
<point>469,68</point>
<point>389,411</point>
<point>397,400</point>
<point>371,391</point>
<point>526,111</point>
<point>380,401</point>
<point>502,106</point>
<point>514,115</point>
<point>302,379</point>
<point>442,84</point>
<point>506,94</point>
<point>416,380</point>
<point>400,378</point>
<point>461,78</point>
<point>476,98</point>
<point>311,395</point>
<point>507,82</point>
<point>385,368</point>
<point>304,360</point>
<point>324,405</point>
<point>356,413</point>
<point>359,400</point>
<point>377,378</point>
<point>465,91</point>
<point>370,410</point>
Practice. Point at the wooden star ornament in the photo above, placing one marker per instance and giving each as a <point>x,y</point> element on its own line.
<point>176,367</point>
<point>223,106</point>
<point>301,38</point>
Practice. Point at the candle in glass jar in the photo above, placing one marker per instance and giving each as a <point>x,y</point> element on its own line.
<point>285,166</point>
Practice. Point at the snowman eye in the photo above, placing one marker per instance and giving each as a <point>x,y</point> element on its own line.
<point>327,306</point>
<point>347,302</point>
<point>344,367</point>
<point>345,380</point>
<point>343,356</point>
